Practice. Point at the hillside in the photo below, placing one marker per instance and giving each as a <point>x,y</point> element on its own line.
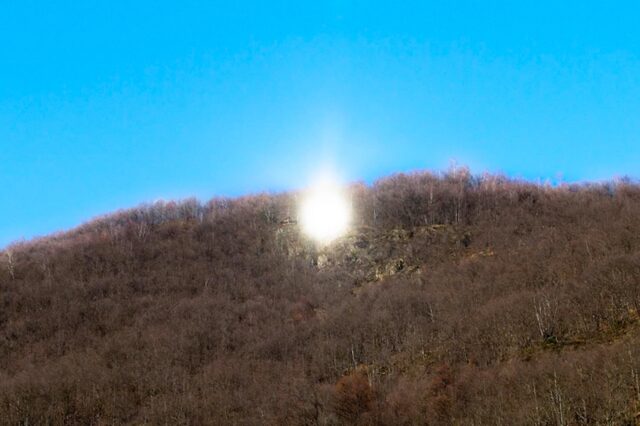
<point>454,299</point>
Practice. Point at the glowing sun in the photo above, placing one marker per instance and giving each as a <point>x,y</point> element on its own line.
<point>325,212</point>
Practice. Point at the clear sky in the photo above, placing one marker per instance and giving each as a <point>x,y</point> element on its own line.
<point>107,104</point>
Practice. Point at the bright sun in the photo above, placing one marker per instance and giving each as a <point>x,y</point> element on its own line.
<point>325,212</point>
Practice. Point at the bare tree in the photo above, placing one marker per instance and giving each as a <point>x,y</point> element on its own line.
<point>11,264</point>
<point>546,313</point>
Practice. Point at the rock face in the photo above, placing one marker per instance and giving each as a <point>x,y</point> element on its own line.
<point>372,255</point>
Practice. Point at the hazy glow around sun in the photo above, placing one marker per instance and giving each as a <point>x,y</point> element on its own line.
<point>325,212</point>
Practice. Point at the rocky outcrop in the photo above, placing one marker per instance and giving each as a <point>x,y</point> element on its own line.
<point>370,255</point>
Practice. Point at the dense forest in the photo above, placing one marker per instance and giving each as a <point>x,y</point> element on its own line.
<point>454,299</point>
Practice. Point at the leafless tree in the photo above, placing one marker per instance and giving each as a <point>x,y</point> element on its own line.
<point>10,263</point>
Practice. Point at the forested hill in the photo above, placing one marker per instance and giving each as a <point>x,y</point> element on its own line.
<point>454,299</point>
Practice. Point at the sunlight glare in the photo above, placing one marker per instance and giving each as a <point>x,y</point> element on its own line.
<point>325,212</point>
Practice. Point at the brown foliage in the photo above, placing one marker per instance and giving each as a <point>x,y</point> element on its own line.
<point>353,396</point>
<point>463,299</point>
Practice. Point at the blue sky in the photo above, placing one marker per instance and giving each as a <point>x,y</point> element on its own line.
<point>104,105</point>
